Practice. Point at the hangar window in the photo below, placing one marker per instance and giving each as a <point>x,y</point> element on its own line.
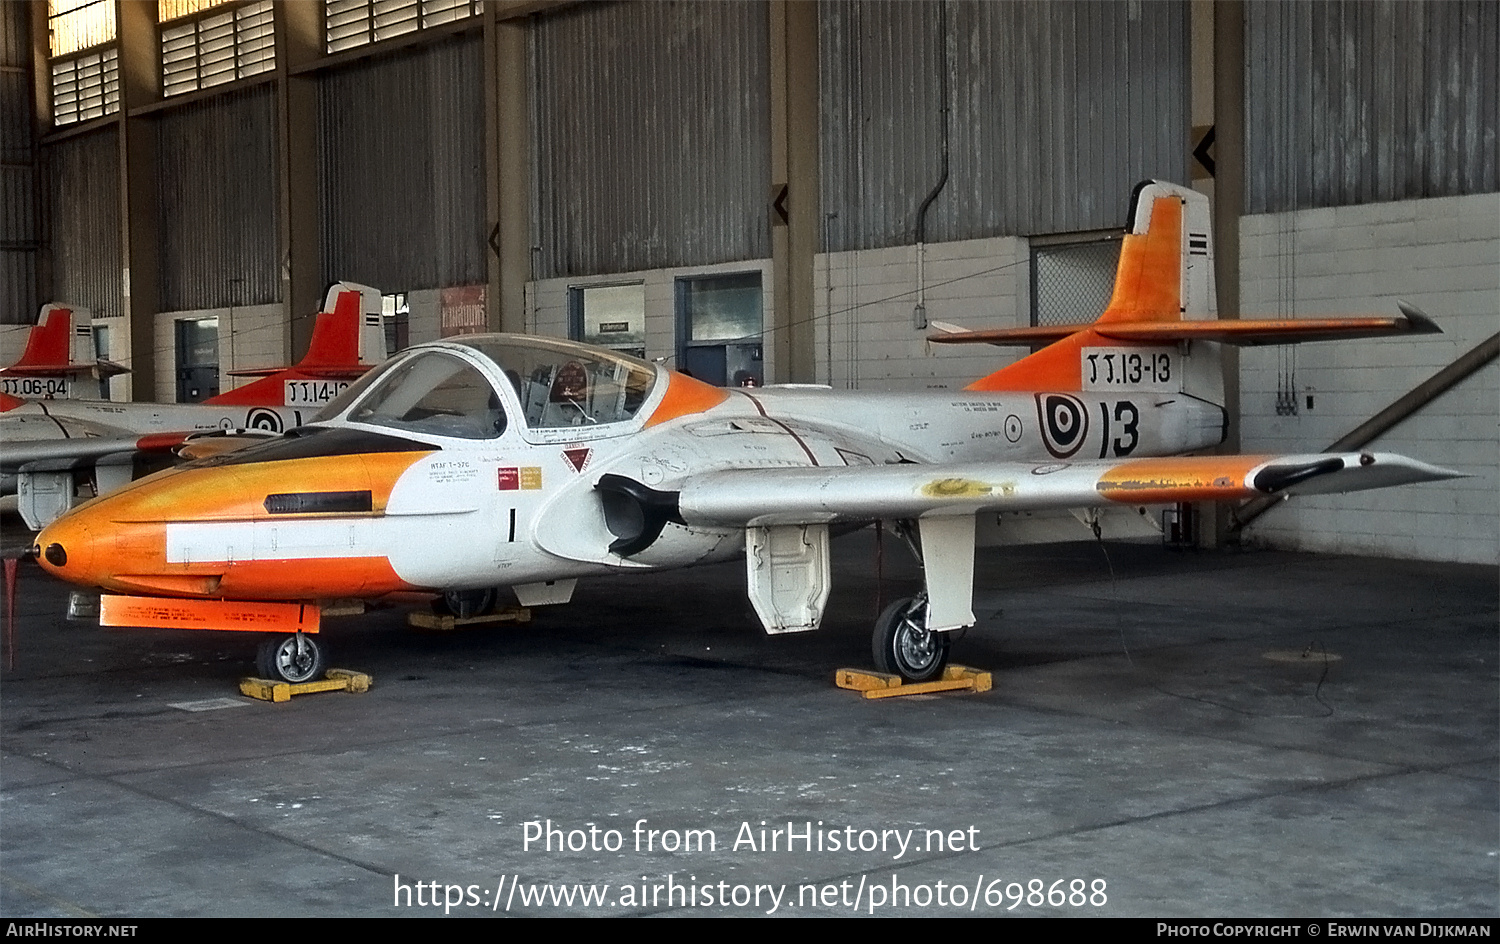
<point>719,326</point>
<point>352,23</point>
<point>84,58</point>
<point>397,316</point>
<point>1072,277</point>
<point>211,42</point>
<point>197,359</point>
<point>612,316</point>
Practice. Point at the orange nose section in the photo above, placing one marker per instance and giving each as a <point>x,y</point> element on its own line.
<point>66,549</point>
<point>193,531</point>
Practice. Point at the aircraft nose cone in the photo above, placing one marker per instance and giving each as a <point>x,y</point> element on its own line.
<point>65,549</point>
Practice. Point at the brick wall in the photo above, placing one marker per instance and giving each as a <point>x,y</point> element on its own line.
<point>864,301</point>
<point>547,303</point>
<point>249,336</point>
<point>1443,255</point>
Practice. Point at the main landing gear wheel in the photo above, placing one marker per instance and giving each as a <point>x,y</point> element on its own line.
<point>904,646</point>
<point>467,604</point>
<point>295,658</point>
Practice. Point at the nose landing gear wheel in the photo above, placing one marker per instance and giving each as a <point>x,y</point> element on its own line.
<point>904,646</point>
<point>467,604</point>
<point>296,658</point>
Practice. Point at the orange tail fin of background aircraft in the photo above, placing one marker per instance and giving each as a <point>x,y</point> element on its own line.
<point>1163,295</point>
<point>348,339</point>
<point>55,355</point>
<point>49,345</point>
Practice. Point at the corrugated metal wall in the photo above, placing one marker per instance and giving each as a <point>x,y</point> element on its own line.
<point>651,129</point>
<point>1363,102</point>
<point>401,184</point>
<point>1058,110</point>
<point>218,202</point>
<point>85,215</point>
<point>18,205</point>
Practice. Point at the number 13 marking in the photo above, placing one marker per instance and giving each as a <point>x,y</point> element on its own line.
<point>1127,415</point>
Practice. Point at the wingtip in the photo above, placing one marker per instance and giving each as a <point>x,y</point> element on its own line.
<point>1421,322</point>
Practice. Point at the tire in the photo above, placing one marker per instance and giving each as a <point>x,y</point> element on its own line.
<point>903,647</point>
<point>466,604</point>
<point>296,658</point>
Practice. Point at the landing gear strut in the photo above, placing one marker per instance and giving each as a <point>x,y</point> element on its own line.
<point>904,646</point>
<point>296,658</point>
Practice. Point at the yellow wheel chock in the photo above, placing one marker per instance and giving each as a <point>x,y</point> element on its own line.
<point>447,624</point>
<point>335,680</point>
<point>881,685</point>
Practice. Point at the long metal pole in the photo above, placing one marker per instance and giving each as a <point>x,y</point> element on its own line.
<point>1421,395</point>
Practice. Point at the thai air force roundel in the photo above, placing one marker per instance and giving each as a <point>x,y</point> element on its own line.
<point>1064,422</point>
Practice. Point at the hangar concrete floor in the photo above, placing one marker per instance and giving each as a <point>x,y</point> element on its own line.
<point>1193,776</point>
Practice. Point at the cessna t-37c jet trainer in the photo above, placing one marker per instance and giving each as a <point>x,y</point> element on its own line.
<point>506,460</point>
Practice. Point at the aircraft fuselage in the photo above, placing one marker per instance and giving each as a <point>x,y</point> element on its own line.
<point>357,511</point>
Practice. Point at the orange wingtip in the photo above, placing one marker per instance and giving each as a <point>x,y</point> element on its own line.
<point>1179,479</point>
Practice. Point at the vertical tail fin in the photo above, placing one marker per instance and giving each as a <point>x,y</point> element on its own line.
<point>1165,274</point>
<point>57,354</point>
<point>348,339</point>
<point>350,331</point>
<point>49,346</point>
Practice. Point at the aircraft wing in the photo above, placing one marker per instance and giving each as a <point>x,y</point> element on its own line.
<point>55,454</point>
<point>770,497</point>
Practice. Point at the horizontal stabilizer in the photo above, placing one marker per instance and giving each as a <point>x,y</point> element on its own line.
<point>50,350</point>
<point>1243,332</point>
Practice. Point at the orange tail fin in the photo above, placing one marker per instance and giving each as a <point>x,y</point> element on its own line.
<point>49,345</point>
<point>1155,282</point>
<point>348,339</point>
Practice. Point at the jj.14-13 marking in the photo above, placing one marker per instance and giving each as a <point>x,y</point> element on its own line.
<point>313,392</point>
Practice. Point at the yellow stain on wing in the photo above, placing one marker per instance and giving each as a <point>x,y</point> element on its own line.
<point>959,488</point>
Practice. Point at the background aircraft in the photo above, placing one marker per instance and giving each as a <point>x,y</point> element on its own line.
<point>507,460</point>
<point>46,444</point>
<point>53,361</point>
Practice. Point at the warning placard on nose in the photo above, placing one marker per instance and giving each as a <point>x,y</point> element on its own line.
<point>526,477</point>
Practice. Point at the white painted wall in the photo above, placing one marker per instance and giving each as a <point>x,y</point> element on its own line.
<point>1443,255</point>
<point>863,304</point>
<point>249,336</point>
<point>13,342</point>
<point>863,301</point>
<point>547,304</point>
<point>424,319</point>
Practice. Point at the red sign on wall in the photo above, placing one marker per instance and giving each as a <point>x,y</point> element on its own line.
<point>461,311</point>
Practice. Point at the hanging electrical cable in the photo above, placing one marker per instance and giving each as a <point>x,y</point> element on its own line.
<point>919,313</point>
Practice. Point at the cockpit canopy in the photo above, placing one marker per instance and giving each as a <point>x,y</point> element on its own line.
<point>558,384</point>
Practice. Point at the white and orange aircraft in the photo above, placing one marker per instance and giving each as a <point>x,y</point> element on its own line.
<point>45,444</point>
<point>522,461</point>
